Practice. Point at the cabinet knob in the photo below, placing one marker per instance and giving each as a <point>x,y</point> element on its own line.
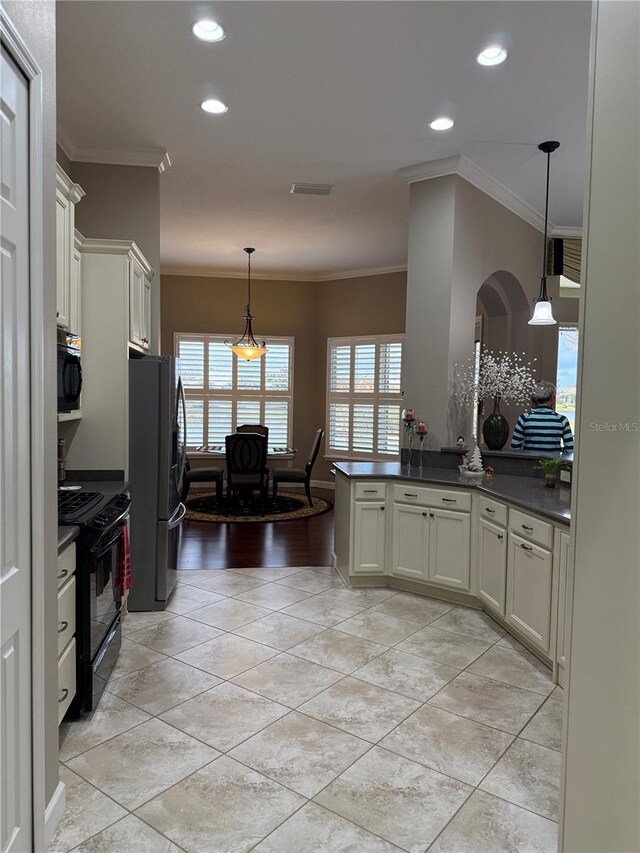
<point>489,510</point>
<point>500,537</point>
<point>62,627</point>
<point>381,509</point>
<point>526,547</point>
<point>63,574</point>
<point>63,695</point>
<point>524,527</point>
<point>432,515</point>
<point>425,515</point>
<point>57,313</point>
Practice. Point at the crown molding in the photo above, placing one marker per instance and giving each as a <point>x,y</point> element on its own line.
<point>210,272</point>
<point>68,145</point>
<point>337,276</point>
<point>561,231</point>
<point>117,247</point>
<point>152,157</point>
<point>473,174</point>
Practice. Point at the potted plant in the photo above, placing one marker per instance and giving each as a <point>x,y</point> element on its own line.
<point>550,468</point>
<point>498,375</point>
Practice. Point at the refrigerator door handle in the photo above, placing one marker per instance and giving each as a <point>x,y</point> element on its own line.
<point>177,517</point>
<point>183,449</point>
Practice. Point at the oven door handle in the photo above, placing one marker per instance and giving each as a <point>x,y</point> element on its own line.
<point>99,548</point>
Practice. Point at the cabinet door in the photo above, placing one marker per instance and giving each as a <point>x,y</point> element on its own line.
<point>528,606</point>
<point>562,648</point>
<point>449,539</point>
<point>63,259</point>
<point>410,557</point>
<point>368,538</point>
<point>146,313</point>
<point>492,564</point>
<point>75,294</point>
<point>136,285</point>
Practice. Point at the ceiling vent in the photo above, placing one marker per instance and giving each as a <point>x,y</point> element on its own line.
<point>310,189</point>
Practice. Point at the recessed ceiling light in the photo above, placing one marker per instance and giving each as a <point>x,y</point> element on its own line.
<point>212,105</point>
<point>495,54</point>
<point>442,123</point>
<point>208,30</point>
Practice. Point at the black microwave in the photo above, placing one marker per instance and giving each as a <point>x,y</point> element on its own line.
<point>69,372</point>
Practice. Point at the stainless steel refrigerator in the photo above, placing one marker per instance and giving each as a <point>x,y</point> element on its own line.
<point>157,456</point>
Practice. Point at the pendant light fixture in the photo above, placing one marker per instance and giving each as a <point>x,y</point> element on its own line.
<point>542,313</point>
<point>247,348</point>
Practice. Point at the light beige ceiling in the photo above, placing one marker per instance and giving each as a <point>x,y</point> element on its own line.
<point>328,92</point>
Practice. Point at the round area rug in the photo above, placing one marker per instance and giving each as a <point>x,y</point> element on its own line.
<point>288,506</point>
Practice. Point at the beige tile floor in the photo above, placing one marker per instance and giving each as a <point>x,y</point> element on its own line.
<point>276,710</point>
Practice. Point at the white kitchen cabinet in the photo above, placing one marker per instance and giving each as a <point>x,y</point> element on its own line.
<point>492,564</point>
<point>68,194</point>
<point>564,598</point>
<point>449,543</point>
<point>529,581</point>
<point>75,288</point>
<point>369,524</point>
<point>410,548</point>
<point>66,629</point>
<point>431,545</point>
<point>108,268</point>
<point>139,306</point>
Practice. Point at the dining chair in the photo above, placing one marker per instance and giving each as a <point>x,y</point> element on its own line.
<point>300,475</point>
<point>246,457</point>
<point>209,474</point>
<point>259,429</point>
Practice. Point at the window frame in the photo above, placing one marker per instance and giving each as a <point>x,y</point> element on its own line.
<point>234,394</point>
<point>569,325</point>
<point>376,398</point>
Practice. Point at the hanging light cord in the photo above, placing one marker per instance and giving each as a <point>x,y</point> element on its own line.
<point>546,228</point>
<point>249,273</point>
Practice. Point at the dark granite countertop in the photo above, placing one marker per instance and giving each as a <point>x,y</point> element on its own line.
<point>66,535</point>
<point>529,493</point>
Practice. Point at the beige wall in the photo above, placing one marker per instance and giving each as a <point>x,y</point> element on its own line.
<point>602,757</point>
<point>37,25</point>
<point>123,203</point>
<point>309,311</point>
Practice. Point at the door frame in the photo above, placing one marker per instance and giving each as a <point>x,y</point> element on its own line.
<point>28,65</point>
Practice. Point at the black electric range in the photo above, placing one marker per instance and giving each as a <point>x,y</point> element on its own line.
<point>101,511</point>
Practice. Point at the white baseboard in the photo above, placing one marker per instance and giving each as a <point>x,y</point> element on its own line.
<point>53,813</point>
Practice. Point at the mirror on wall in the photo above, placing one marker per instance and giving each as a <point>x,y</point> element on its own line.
<point>502,314</point>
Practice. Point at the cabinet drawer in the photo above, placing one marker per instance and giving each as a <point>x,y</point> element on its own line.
<point>66,564</point>
<point>432,497</point>
<point>531,528</point>
<point>66,613</point>
<point>492,511</point>
<point>66,679</point>
<point>365,491</point>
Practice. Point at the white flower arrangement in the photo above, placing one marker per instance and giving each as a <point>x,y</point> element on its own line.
<point>474,461</point>
<point>501,375</point>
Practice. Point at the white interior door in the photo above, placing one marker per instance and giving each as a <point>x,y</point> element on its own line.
<point>15,466</point>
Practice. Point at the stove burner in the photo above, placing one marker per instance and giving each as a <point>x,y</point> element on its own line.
<point>72,505</point>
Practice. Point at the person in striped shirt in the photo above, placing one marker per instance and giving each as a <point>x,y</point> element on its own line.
<point>542,428</point>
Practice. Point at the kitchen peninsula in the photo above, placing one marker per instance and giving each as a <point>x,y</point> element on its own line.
<point>502,545</point>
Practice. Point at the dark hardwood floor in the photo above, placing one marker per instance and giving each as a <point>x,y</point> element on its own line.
<point>233,546</point>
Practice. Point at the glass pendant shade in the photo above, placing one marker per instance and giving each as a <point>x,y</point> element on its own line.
<point>248,348</point>
<point>542,314</point>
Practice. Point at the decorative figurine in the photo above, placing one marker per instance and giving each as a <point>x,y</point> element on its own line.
<point>471,467</point>
<point>461,443</point>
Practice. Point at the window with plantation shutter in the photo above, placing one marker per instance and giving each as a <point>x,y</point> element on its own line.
<point>223,392</point>
<point>364,396</point>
